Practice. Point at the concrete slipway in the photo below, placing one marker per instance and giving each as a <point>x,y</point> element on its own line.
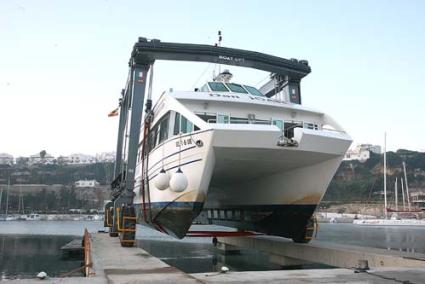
<point>112,263</point>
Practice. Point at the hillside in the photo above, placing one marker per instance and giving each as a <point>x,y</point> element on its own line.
<point>356,181</point>
<point>50,188</point>
<point>56,173</point>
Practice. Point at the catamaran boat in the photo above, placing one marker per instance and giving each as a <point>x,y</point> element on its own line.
<point>250,161</point>
<point>250,158</point>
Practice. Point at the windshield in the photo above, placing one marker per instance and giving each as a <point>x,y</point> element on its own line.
<point>253,91</point>
<point>236,88</point>
<point>217,87</point>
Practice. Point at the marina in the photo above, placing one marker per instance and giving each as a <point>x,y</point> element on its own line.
<point>232,142</point>
<point>123,265</point>
<point>198,255</point>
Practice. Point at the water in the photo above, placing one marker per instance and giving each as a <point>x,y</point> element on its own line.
<point>24,256</point>
<point>28,247</point>
<point>408,239</point>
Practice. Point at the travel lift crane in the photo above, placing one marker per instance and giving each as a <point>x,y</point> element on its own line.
<point>285,77</point>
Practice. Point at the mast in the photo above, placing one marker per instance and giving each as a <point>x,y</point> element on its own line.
<point>402,192</point>
<point>407,186</point>
<point>396,197</point>
<point>7,196</point>
<point>385,174</point>
<point>1,197</point>
<point>21,202</point>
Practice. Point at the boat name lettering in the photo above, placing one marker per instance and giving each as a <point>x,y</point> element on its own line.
<point>225,96</point>
<point>256,98</point>
<point>253,98</point>
<point>184,142</point>
<point>231,58</point>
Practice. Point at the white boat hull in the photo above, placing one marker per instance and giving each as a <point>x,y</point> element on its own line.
<point>236,168</point>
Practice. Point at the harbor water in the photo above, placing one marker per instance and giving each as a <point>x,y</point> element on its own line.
<point>28,247</point>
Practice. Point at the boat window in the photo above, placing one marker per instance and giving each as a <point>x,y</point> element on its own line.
<point>210,118</point>
<point>311,126</point>
<point>236,88</point>
<point>278,123</point>
<point>152,138</point>
<point>237,120</point>
<point>261,121</point>
<point>217,87</point>
<point>183,125</point>
<point>176,124</point>
<point>253,91</point>
<point>222,118</point>
<point>204,88</point>
<point>163,128</point>
<point>159,132</point>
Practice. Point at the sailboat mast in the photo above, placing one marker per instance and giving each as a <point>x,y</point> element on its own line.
<point>407,186</point>
<point>1,197</point>
<point>7,196</point>
<point>396,195</point>
<point>402,192</point>
<point>385,174</point>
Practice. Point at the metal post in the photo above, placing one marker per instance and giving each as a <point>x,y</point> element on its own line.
<point>130,122</point>
<point>137,88</point>
<point>121,126</point>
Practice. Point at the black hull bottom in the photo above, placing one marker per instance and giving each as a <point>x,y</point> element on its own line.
<point>174,218</point>
<point>287,221</point>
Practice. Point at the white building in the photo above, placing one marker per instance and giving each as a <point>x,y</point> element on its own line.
<point>6,159</point>
<point>362,152</point>
<point>418,199</point>
<point>86,183</point>
<point>78,159</point>
<point>372,148</point>
<point>106,157</point>
<point>42,158</point>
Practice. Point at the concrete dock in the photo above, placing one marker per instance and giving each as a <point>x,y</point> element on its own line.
<point>117,264</point>
<point>342,256</point>
<point>112,263</point>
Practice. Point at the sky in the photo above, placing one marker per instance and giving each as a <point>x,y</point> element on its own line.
<point>63,63</point>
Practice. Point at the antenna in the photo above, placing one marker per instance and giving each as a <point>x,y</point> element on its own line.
<point>220,38</point>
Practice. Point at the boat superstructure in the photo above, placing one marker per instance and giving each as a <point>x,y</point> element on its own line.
<point>254,159</point>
